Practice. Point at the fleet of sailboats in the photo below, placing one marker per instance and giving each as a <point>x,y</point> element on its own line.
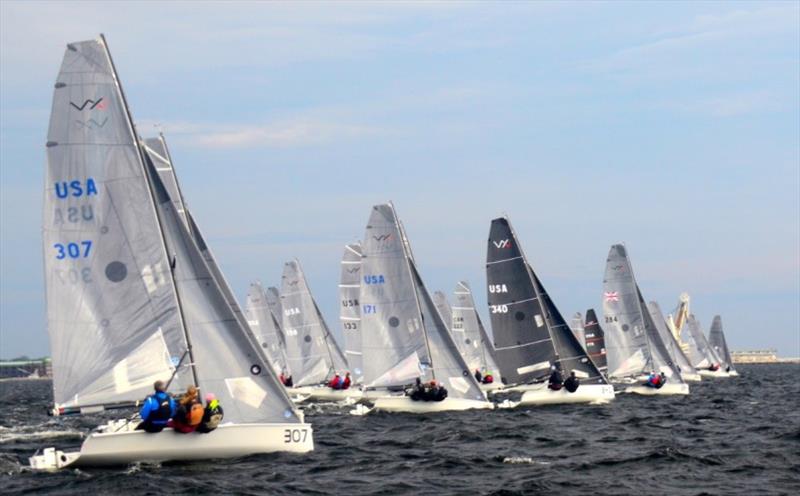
<point>135,295</point>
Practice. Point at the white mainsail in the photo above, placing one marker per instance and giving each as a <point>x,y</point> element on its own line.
<point>265,327</point>
<point>467,326</point>
<point>350,309</point>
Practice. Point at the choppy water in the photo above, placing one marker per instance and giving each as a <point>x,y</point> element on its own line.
<point>734,436</point>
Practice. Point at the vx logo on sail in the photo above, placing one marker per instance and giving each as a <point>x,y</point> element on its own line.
<point>91,123</point>
<point>383,237</point>
<point>502,244</point>
<point>98,104</point>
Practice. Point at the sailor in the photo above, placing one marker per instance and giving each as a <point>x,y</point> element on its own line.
<point>190,412</point>
<point>335,383</point>
<point>286,380</point>
<point>212,415</point>
<point>347,381</point>
<point>713,367</point>
<point>416,392</point>
<point>572,382</point>
<point>478,376</point>
<point>156,410</point>
<point>437,392</point>
<point>488,378</point>
<point>556,381</point>
<point>655,380</point>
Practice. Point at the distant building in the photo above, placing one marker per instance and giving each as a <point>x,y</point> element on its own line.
<point>756,356</point>
<point>25,367</point>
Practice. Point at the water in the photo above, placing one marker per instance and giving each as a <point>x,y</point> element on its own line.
<point>734,436</point>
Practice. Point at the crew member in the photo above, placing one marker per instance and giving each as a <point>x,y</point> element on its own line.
<point>572,382</point>
<point>189,413</point>
<point>335,383</point>
<point>212,415</point>
<point>157,409</point>
<point>655,380</point>
<point>478,376</point>
<point>286,380</point>
<point>488,378</point>
<point>556,381</point>
<point>347,381</point>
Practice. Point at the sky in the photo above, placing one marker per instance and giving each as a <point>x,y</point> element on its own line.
<point>673,127</point>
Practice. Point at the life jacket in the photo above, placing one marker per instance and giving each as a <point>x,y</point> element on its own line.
<point>195,414</point>
<point>212,416</point>
<point>488,379</point>
<point>334,383</point>
<point>346,383</point>
<point>163,411</point>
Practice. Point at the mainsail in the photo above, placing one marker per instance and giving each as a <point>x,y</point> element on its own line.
<point>311,351</point>
<point>674,348</point>
<point>594,338</point>
<point>467,326</point>
<point>274,302</point>
<point>350,310</point>
<point>265,327</point>
<point>445,310</point>
<point>530,333</point>
<point>112,314</point>
<point>632,341</point>
<point>716,339</point>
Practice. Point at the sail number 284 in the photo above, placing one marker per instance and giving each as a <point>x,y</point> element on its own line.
<point>294,435</point>
<point>72,250</point>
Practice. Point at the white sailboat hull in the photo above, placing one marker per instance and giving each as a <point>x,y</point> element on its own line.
<point>667,389</point>
<point>127,446</point>
<point>494,386</point>
<point>589,393</point>
<point>405,404</point>
<point>328,394</point>
<point>733,373</point>
<point>716,374</point>
<point>691,377</point>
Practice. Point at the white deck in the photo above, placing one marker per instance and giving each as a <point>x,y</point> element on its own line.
<point>407,405</point>
<point>667,389</point>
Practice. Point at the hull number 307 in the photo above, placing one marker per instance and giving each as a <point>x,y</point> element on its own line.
<point>294,435</point>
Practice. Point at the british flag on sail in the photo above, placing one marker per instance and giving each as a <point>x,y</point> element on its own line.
<point>612,296</point>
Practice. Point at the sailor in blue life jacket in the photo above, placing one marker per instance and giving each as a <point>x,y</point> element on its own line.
<point>157,409</point>
<point>656,380</point>
<point>556,381</point>
<point>572,383</point>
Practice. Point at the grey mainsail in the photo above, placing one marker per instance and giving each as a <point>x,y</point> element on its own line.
<point>480,354</point>
<point>674,348</point>
<point>444,308</point>
<point>265,327</point>
<point>311,357</point>
<point>393,342</point>
<point>576,325</point>
<point>112,314</point>
<point>594,337</point>
<point>633,344</point>
<point>716,338</point>
<point>274,302</point>
<point>350,309</point>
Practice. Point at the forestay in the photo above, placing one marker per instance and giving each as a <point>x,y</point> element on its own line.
<point>522,340</point>
<point>265,328</point>
<point>673,347</point>
<point>112,315</point>
<point>350,309</point>
<point>479,352</point>
<point>227,360</point>
<point>307,349</point>
<point>717,341</point>
<point>392,337</point>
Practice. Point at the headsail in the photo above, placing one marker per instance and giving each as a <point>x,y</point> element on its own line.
<point>716,339</point>
<point>674,348</point>
<point>701,353</point>
<point>595,341</point>
<point>479,352</point>
<point>227,359</point>
<point>274,302</point>
<point>576,325</point>
<point>113,318</point>
<point>393,340</point>
<point>312,357</point>
<point>350,310</point>
<point>265,327</point>
<point>444,309</point>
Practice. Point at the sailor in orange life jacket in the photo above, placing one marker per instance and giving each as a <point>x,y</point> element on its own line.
<point>190,412</point>
<point>336,382</point>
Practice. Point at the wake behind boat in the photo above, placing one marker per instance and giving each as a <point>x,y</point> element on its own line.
<point>122,313</point>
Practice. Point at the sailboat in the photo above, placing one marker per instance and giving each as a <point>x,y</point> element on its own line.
<point>716,338</point>
<point>595,340</point>
<point>633,343</point>
<point>312,354</point>
<point>688,373</point>
<point>530,335</point>
<point>131,298</point>
<point>701,354</point>
<point>468,330</point>
<point>403,335</point>
<point>265,327</point>
<point>350,310</point>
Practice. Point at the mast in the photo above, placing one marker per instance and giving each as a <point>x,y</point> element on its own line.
<point>146,172</point>
<point>411,272</point>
